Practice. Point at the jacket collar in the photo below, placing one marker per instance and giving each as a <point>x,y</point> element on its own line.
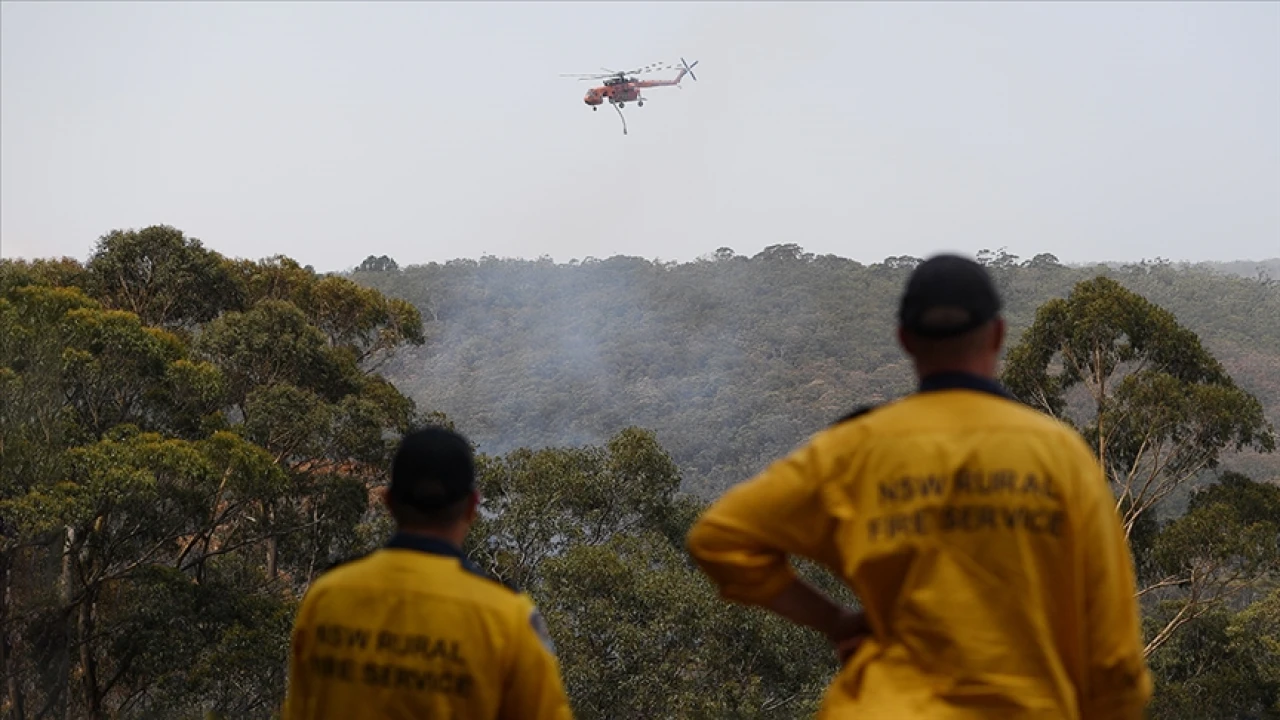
<point>962,381</point>
<point>432,546</point>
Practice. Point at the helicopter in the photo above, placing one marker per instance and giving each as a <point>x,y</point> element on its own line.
<point>620,88</point>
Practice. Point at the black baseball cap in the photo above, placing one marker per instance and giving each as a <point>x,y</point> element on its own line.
<point>432,469</point>
<point>948,295</point>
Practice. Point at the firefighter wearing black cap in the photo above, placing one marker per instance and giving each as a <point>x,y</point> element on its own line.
<point>980,536</point>
<point>414,629</point>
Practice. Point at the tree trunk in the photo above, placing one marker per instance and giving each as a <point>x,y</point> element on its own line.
<point>1101,398</point>
<point>88,665</point>
<point>65,682</point>
<point>273,543</point>
<point>273,554</point>
<point>13,692</point>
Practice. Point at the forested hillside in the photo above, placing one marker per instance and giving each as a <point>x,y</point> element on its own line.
<point>1244,268</point>
<point>188,440</point>
<point>732,360</point>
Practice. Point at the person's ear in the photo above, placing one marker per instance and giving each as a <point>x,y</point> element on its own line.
<point>904,341</point>
<point>473,506</point>
<point>384,494</point>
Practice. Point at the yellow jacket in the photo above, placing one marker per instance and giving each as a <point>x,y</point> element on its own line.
<point>414,630</point>
<point>983,542</point>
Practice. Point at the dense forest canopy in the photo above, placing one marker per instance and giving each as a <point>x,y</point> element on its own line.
<point>187,440</point>
<point>732,360</point>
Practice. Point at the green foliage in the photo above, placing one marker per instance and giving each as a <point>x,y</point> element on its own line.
<point>382,263</point>
<point>1225,546</point>
<point>1215,670</point>
<point>539,503</point>
<point>1257,631</point>
<point>185,441</point>
<point>642,635</point>
<point>227,651</point>
<point>162,276</point>
<point>596,535</point>
<point>367,325</point>
<point>1158,408</point>
<point>734,360</point>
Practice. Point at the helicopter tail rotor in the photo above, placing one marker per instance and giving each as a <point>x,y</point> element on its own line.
<point>688,69</point>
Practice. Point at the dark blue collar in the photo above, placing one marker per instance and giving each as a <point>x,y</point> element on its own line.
<point>433,546</point>
<point>962,381</point>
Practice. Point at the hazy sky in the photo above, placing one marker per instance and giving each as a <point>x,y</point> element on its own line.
<point>426,131</point>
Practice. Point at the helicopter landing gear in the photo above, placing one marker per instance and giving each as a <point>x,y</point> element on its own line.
<point>594,108</point>
<point>639,103</point>
<point>622,104</point>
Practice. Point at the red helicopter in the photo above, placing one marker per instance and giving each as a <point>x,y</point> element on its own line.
<point>620,88</point>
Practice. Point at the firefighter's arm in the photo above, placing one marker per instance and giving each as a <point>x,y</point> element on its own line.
<point>1118,685</point>
<point>534,689</point>
<point>742,542</point>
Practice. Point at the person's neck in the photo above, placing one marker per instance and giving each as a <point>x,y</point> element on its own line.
<point>454,535</point>
<point>981,367</point>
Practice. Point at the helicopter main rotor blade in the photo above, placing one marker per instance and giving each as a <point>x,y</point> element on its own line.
<point>653,67</point>
<point>586,77</point>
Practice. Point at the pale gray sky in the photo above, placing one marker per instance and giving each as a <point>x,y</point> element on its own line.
<point>329,131</point>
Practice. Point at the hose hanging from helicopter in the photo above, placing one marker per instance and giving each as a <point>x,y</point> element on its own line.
<point>624,118</point>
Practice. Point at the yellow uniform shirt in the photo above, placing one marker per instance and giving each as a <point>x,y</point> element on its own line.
<point>983,541</point>
<point>414,630</point>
